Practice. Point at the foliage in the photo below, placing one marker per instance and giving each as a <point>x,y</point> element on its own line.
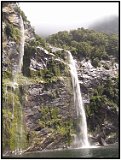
<point>22,14</point>
<point>87,43</point>
<point>95,62</point>
<point>7,75</point>
<point>104,104</point>
<point>51,118</point>
<point>40,40</point>
<point>13,32</point>
<point>106,66</point>
<point>29,52</point>
<point>12,124</point>
<point>50,73</point>
<point>6,128</point>
<point>113,46</point>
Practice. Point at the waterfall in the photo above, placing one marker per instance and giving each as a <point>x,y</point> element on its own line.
<point>17,114</point>
<point>19,125</point>
<point>21,53</point>
<point>81,139</point>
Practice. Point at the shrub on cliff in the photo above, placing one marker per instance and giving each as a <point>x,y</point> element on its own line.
<point>13,32</point>
<point>22,14</point>
<point>104,104</point>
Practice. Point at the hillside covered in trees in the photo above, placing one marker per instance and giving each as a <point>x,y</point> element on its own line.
<point>88,44</point>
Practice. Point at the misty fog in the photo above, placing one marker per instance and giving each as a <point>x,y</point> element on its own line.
<point>108,25</point>
<point>49,18</point>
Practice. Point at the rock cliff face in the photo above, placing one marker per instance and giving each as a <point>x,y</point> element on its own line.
<point>102,120</point>
<point>90,77</point>
<point>11,35</point>
<point>44,90</point>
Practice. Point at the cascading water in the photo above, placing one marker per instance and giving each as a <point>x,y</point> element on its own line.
<point>20,128</point>
<point>16,70</point>
<point>81,139</point>
<point>21,45</point>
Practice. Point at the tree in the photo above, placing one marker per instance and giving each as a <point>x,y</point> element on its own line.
<point>84,48</point>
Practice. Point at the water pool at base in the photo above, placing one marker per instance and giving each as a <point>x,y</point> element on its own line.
<point>111,151</point>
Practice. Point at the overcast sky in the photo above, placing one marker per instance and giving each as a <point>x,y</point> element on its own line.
<point>53,17</point>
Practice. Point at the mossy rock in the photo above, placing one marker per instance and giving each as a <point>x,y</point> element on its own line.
<point>13,126</point>
<point>13,32</point>
<point>7,75</point>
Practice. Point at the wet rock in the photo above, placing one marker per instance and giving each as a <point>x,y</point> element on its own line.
<point>89,76</point>
<point>101,141</point>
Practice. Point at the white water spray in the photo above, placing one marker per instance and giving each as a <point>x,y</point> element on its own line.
<point>17,69</point>
<point>19,126</point>
<point>21,54</point>
<point>81,139</point>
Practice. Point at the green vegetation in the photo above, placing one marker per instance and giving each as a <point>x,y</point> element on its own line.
<point>7,75</point>
<point>29,52</point>
<point>95,62</point>
<point>38,41</point>
<point>52,119</point>
<point>14,134</point>
<point>104,104</point>
<point>48,74</point>
<point>87,43</point>
<point>22,14</point>
<point>13,32</point>
<point>49,117</point>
